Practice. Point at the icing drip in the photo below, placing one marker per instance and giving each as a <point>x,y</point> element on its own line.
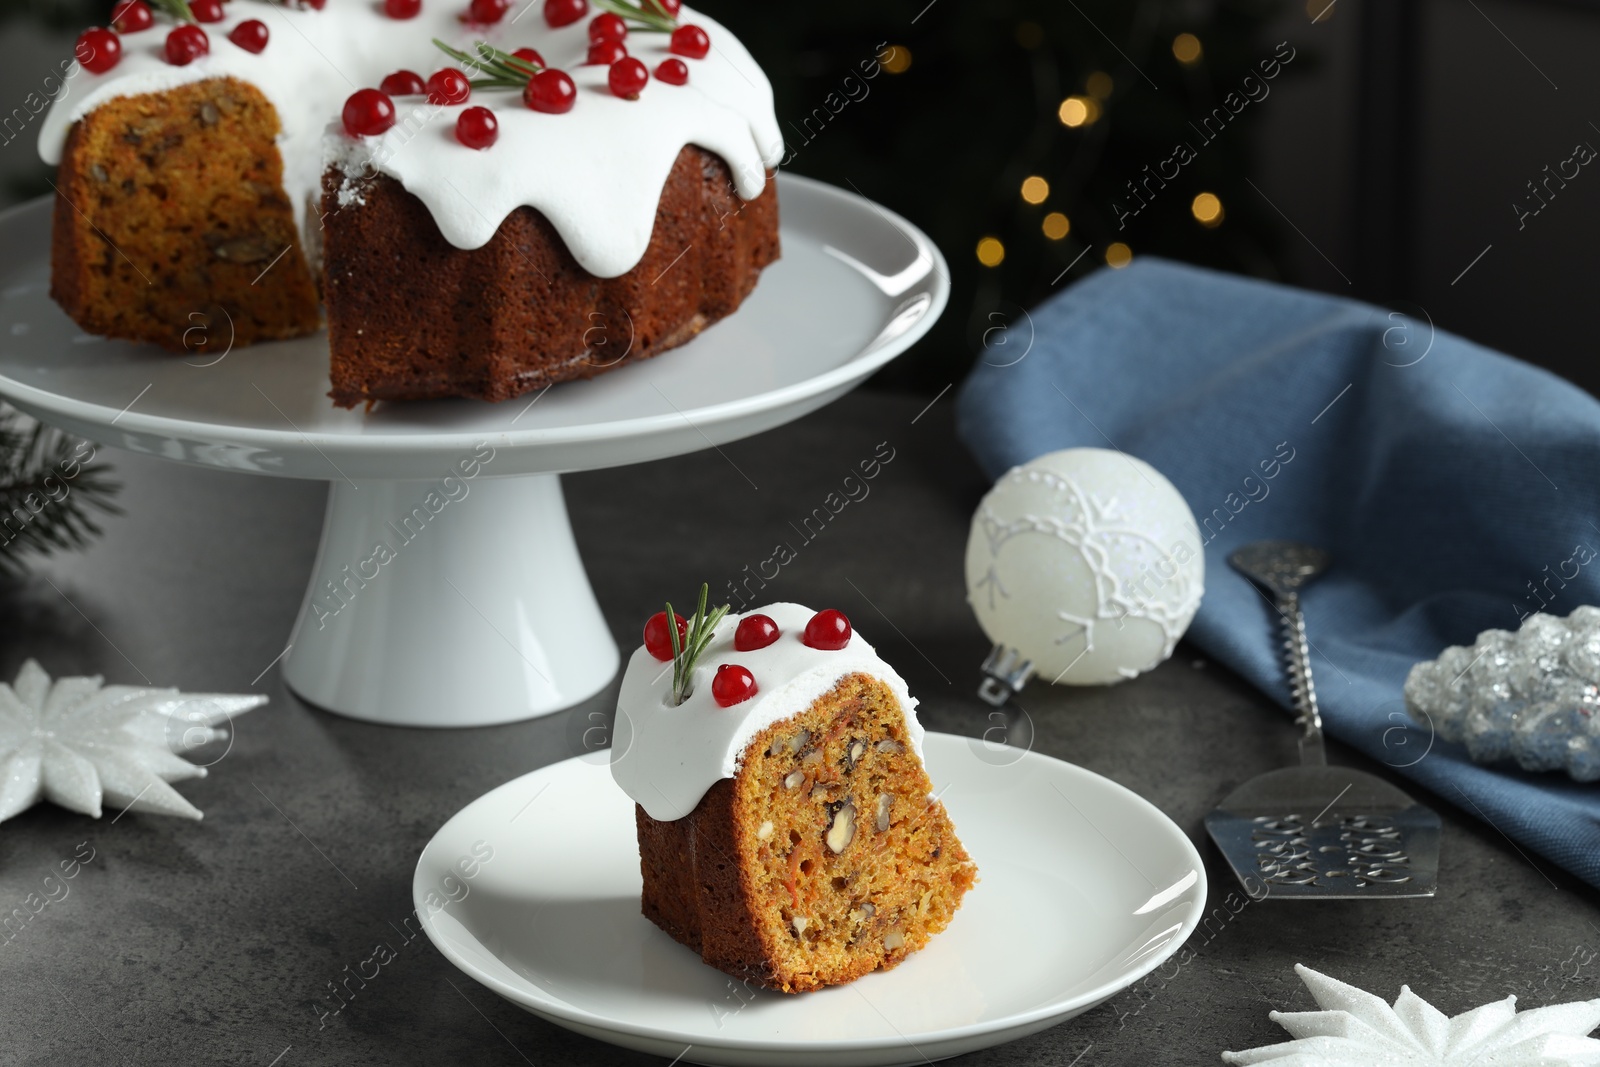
<point>596,172</point>
<point>666,758</point>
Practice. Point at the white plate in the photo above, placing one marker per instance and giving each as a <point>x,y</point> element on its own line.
<point>1085,888</point>
<point>856,286</point>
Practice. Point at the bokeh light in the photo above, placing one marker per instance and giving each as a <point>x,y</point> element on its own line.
<point>1207,210</point>
<point>1078,111</point>
<point>991,253</point>
<point>896,59</point>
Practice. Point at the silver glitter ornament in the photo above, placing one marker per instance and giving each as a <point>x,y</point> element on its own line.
<point>1532,696</point>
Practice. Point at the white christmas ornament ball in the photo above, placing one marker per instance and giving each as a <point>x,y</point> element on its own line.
<point>1087,562</point>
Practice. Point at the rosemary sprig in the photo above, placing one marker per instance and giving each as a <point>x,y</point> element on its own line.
<point>178,9</point>
<point>647,16</point>
<point>501,70</point>
<point>687,652</point>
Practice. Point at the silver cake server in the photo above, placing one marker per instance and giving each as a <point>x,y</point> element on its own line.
<point>1315,831</point>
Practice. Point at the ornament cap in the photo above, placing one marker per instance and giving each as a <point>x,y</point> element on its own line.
<point>1005,672</point>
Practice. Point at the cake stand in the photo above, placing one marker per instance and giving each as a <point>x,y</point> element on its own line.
<point>448,589</point>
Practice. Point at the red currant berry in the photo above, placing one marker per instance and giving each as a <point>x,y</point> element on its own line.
<point>187,44</point>
<point>131,16</point>
<point>550,91</point>
<point>529,55</point>
<point>477,128</point>
<point>404,83</point>
<point>755,631</point>
<point>605,53</point>
<point>315,5</point>
<point>402,9</point>
<point>448,86</point>
<point>251,35</point>
<point>669,8</point>
<point>828,630</point>
<point>98,50</point>
<point>607,27</point>
<point>368,113</point>
<point>673,72</point>
<point>206,10</point>
<point>658,639</point>
<point>627,78</point>
<point>690,41</point>
<point>732,685</point>
<point>487,12</point>
<point>560,13</point>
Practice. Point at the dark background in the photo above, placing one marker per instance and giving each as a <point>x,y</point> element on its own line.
<point>1384,159</point>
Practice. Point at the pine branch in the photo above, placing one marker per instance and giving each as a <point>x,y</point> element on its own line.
<point>647,17</point>
<point>702,627</point>
<point>48,496</point>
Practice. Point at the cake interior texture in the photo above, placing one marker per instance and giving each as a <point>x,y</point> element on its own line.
<point>171,224</point>
<point>824,858</point>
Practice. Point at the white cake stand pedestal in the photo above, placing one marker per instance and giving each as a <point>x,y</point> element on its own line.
<point>484,615</point>
<point>448,589</point>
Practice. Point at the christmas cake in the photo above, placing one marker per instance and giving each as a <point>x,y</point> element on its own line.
<point>549,198</point>
<point>787,829</point>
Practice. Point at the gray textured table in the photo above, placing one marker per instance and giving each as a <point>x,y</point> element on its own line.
<point>215,942</point>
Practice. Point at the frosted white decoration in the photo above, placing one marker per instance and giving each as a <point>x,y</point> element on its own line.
<point>595,173</point>
<point>1086,562</point>
<point>1356,1029</point>
<point>1532,696</point>
<point>667,756</point>
<point>80,744</point>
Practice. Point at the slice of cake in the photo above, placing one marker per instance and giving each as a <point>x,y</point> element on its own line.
<point>486,203</point>
<point>788,831</point>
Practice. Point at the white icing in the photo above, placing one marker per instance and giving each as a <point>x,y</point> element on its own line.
<point>595,172</point>
<point>666,758</point>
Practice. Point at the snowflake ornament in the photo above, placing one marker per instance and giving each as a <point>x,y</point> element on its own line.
<point>80,743</point>
<point>1356,1029</point>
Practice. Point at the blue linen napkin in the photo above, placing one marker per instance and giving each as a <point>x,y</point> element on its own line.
<point>1454,486</point>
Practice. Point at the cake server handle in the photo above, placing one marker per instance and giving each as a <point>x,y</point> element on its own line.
<point>1297,653</point>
